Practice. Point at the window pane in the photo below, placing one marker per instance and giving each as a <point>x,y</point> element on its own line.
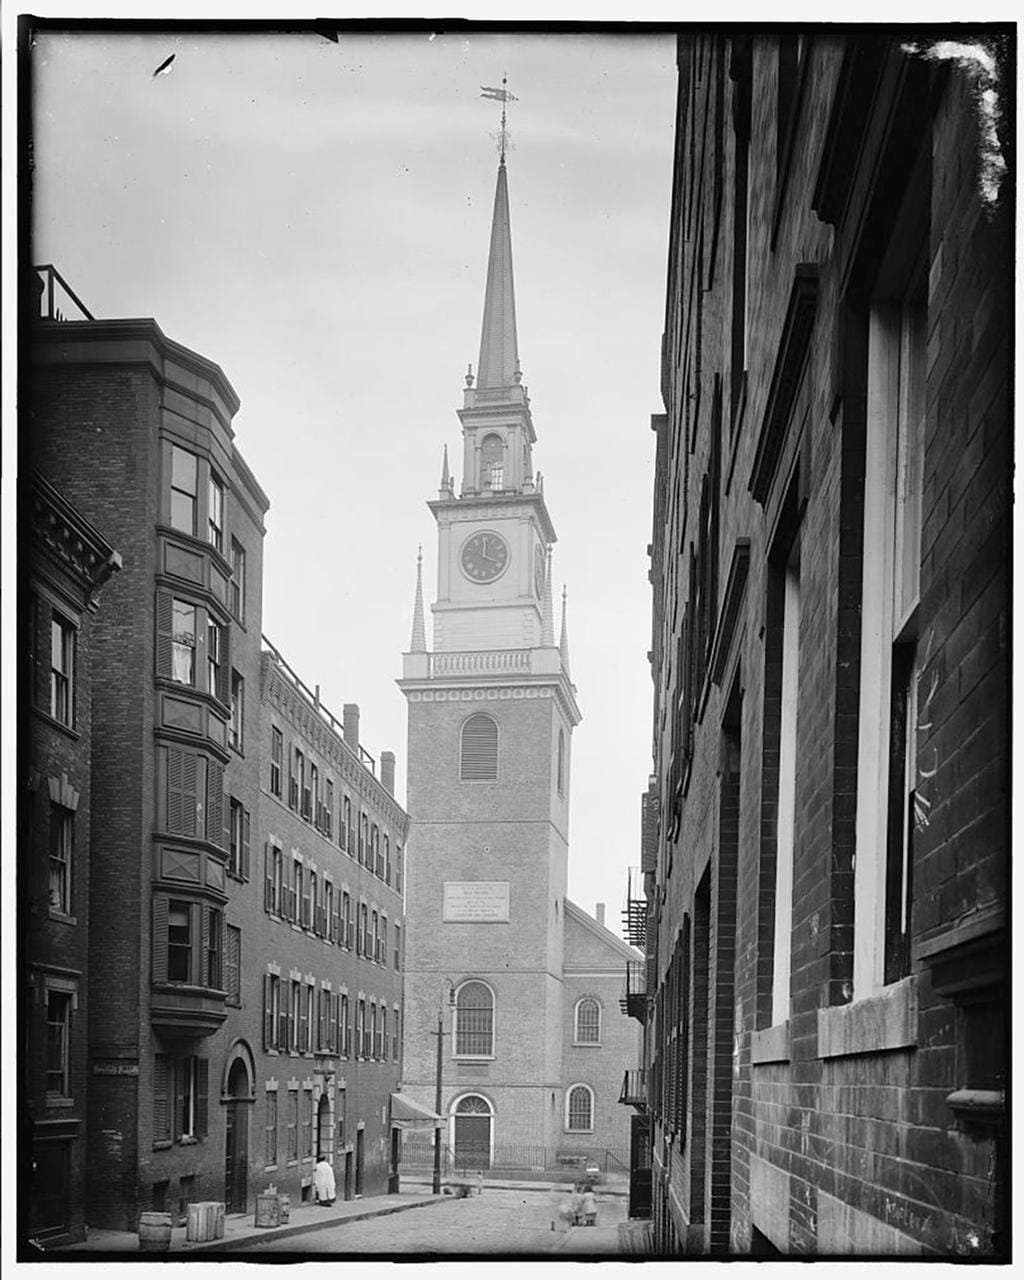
<point>179,942</point>
<point>474,1021</point>
<point>184,643</point>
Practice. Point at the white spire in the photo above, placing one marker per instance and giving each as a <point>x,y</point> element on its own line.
<point>419,633</point>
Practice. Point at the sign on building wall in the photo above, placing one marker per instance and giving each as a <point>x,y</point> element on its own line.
<point>476,901</point>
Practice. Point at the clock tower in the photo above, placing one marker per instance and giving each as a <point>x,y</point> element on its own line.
<point>491,714</point>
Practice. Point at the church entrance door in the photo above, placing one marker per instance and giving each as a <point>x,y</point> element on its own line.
<point>473,1133</point>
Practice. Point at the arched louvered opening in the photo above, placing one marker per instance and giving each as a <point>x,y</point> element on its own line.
<point>479,755</point>
<point>474,1021</point>
<point>588,1021</point>
<point>492,462</point>
<point>579,1110</point>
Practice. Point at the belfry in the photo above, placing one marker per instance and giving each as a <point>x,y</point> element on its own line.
<point>522,985</point>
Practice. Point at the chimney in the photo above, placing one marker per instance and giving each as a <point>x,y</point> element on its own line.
<point>387,771</point>
<point>350,724</point>
<point>599,912</point>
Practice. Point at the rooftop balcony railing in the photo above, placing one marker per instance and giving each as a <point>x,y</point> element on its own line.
<point>481,662</point>
<point>56,300</point>
<point>312,697</point>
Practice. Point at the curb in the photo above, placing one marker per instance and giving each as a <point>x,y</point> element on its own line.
<point>300,1228</point>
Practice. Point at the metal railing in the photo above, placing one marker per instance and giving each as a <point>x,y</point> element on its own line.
<point>634,999</point>
<point>634,916</point>
<point>312,697</point>
<point>56,299</point>
<point>634,1089</point>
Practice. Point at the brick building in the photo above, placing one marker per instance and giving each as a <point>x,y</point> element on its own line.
<point>534,1050</point>
<point>64,565</point>
<point>825,892</point>
<point>137,431</point>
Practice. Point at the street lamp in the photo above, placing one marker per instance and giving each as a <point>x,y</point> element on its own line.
<point>437,1091</point>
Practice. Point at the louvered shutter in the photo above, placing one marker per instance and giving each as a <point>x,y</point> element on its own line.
<point>164,634</point>
<point>268,1011</point>
<point>336,920</point>
<point>191,798</point>
<point>215,832</point>
<point>479,749</point>
<point>223,690</point>
<point>233,963</point>
<point>268,877</point>
<point>159,939</point>
<point>175,790</point>
<point>282,1016</point>
<point>332,1023</point>
<point>181,1065</point>
<point>203,913</point>
<point>303,1019</point>
<point>161,1099</point>
<point>202,1095</point>
<point>246,830</point>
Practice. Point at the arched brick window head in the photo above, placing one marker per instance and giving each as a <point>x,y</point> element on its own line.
<point>474,1020</point>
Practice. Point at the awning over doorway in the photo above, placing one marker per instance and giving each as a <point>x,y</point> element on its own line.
<point>406,1114</point>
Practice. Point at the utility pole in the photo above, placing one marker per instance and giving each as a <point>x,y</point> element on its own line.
<point>437,1100</point>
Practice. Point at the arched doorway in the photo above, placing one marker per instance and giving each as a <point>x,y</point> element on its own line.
<point>324,1130</point>
<point>236,1145</point>
<point>472,1136</point>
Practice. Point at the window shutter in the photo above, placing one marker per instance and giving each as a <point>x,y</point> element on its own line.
<point>233,962</point>
<point>332,1025</point>
<point>202,1095</point>
<point>180,1067</point>
<point>224,670</point>
<point>159,939</point>
<point>246,828</point>
<point>175,790</point>
<point>164,634</point>
<point>282,1017</point>
<point>268,1011</point>
<point>161,1099</point>
<point>268,877</point>
<point>190,793</point>
<point>336,919</point>
<point>303,1019</point>
<point>479,749</point>
<point>201,926</point>
<point>215,832</point>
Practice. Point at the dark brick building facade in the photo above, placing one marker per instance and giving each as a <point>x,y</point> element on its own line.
<point>178,1048</point>
<point>826,895</point>
<point>65,562</point>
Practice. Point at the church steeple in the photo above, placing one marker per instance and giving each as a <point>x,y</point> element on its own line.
<point>499,349</point>
<point>419,631</point>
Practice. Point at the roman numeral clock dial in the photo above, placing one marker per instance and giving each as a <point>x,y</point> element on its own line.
<point>484,556</point>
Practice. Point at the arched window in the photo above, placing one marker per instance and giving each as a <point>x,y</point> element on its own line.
<point>492,462</point>
<point>588,1021</point>
<point>474,1021</point>
<point>479,755</point>
<point>561,761</point>
<point>579,1109</point>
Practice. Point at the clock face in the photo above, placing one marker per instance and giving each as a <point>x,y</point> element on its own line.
<point>538,571</point>
<point>484,556</point>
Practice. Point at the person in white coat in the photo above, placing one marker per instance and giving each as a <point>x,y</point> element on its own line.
<point>323,1182</point>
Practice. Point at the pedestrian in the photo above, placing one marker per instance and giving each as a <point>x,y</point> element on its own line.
<point>589,1206</point>
<point>577,1205</point>
<point>323,1182</point>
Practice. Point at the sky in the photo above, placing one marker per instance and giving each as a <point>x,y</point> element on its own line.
<point>314,217</point>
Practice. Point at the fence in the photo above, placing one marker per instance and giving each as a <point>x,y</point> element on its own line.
<point>418,1153</point>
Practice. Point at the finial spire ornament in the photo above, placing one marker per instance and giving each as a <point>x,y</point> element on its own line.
<point>547,617</point>
<point>563,643</point>
<point>446,482</point>
<point>503,96</point>
<point>419,632</point>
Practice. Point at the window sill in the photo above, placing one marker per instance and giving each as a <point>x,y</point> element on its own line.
<point>187,1140</point>
<point>771,1044</point>
<point>62,916</point>
<point>587,1044</point>
<point>58,1101</point>
<point>162,1146</point>
<point>69,730</point>
<point>874,1024</point>
<point>472,1057</point>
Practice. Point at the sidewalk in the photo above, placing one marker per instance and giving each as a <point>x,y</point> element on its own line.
<point>239,1230</point>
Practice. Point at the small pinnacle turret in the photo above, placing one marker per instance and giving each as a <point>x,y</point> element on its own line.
<point>446,480</point>
<point>419,631</point>
<point>547,625</point>
<point>563,643</point>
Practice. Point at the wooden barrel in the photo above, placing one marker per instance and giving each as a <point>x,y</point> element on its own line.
<point>154,1232</point>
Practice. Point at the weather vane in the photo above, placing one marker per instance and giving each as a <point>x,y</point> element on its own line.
<point>503,96</point>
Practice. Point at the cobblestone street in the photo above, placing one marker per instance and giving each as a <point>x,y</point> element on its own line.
<point>499,1221</point>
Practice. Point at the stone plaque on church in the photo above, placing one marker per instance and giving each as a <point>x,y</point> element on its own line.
<point>476,901</point>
